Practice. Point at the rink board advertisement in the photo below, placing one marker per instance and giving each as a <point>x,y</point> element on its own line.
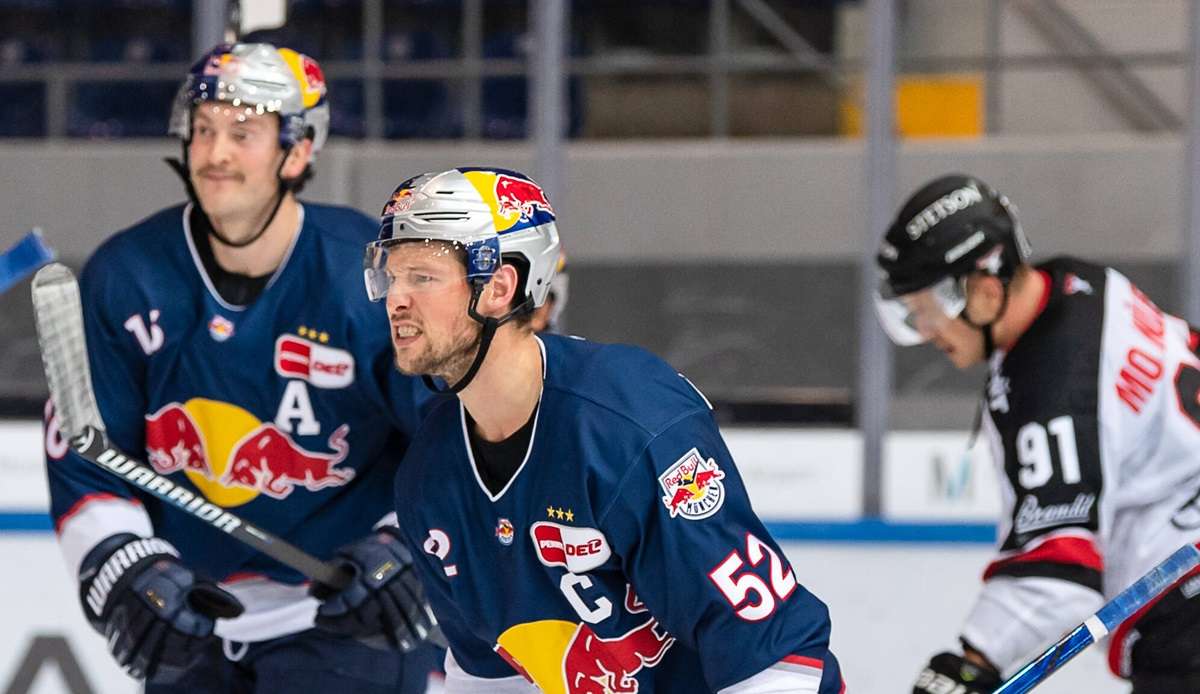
<point>805,483</point>
<point>793,475</point>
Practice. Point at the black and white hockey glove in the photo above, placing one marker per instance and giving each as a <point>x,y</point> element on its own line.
<point>148,606</point>
<point>948,673</point>
<point>384,605</point>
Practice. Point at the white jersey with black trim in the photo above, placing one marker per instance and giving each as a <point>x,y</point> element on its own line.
<point>1093,420</point>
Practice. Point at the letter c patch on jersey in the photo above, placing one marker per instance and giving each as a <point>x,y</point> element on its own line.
<point>692,486</point>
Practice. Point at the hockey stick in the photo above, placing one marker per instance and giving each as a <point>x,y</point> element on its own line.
<point>22,258</point>
<point>59,316</point>
<point>1108,618</point>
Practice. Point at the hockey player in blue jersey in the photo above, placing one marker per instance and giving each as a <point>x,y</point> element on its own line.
<point>230,348</point>
<point>581,524</point>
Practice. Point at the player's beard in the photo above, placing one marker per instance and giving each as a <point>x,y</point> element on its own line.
<point>449,363</point>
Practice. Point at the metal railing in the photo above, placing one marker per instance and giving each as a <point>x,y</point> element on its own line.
<point>1109,72</point>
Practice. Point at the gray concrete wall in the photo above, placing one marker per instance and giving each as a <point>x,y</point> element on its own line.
<point>667,202</point>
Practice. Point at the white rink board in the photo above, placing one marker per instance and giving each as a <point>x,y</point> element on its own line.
<point>798,474</point>
<point>21,466</point>
<point>931,476</point>
<point>892,606</point>
<point>791,474</point>
<point>39,599</point>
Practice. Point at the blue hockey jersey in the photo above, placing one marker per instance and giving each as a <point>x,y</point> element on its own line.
<point>623,555</point>
<point>287,411</point>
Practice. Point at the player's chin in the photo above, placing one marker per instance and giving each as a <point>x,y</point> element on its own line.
<point>407,361</point>
<point>217,203</point>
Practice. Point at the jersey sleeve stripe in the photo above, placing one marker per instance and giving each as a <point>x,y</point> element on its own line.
<point>84,501</point>
<point>1075,573</point>
<point>1075,551</point>
<point>1118,646</point>
<point>95,517</point>
<point>803,660</point>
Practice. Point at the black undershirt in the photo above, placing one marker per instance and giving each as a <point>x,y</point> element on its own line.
<point>234,288</point>
<point>498,462</point>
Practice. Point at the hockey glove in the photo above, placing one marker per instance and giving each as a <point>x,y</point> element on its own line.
<point>384,604</point>
<point>148,606</point>
<point>948,672</point>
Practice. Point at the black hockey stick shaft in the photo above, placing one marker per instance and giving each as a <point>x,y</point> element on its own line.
<point>94,447</point>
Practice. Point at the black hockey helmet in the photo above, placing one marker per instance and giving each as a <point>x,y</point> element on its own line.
<point>952,226</point>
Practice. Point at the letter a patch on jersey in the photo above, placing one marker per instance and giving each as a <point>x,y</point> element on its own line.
<point>692,486</point>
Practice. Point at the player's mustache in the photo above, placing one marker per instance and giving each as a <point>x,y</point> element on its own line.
<point>219,172</point>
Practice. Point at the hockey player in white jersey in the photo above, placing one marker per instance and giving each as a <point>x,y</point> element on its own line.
<point>1092,415</point>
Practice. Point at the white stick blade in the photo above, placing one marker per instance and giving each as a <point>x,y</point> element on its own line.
<point>58,313</point>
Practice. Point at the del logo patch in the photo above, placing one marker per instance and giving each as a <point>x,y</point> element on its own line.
<point>320,365</point>
<point>692,487</point>
<point>578,549</point>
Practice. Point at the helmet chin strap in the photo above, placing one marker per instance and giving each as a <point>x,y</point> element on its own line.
<point>989,347</point>
<point>182,169</point>
<point>490,325</point>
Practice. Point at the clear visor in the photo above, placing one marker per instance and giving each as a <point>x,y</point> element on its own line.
<point>417,266</point>
<point>911,319</point>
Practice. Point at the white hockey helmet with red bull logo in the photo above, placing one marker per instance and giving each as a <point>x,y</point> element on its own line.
<point>495,215</point>
<point>261,79</point>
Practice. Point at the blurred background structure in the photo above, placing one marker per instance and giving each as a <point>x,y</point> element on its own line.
<point>714,195</point>
<point>721,168</point>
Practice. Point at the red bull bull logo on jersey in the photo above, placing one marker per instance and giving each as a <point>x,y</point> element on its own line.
<point>692,486</point>
<point>565,658</point>
<point>505,532</point>
<point>220,328</point>
<point>232,457</point>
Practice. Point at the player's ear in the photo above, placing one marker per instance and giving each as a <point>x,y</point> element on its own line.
<point>985,297</point>
<point>297,159</point>
<point>500,290</point>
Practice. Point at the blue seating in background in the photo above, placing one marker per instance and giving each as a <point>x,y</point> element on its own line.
<point>505,99</point>
<point>158,31</point>
<point>419,109</point>
<point>121,109</point>
<point>346,108</point>
<point>22,110</point>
